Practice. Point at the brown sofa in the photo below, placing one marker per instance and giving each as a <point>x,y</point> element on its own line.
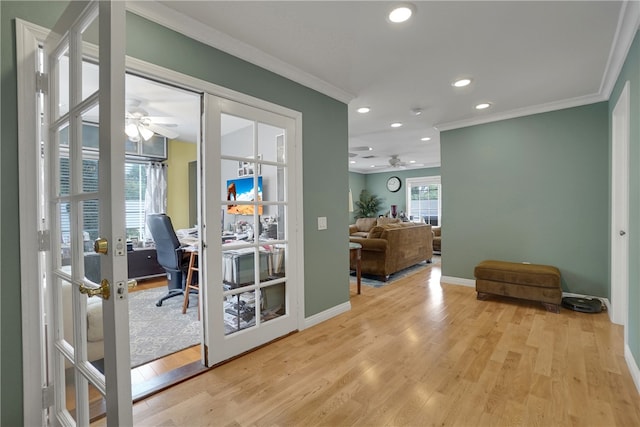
<point>390,248</point>
<point>437,239</point>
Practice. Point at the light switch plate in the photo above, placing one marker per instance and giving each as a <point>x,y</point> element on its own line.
<point>322,223</point>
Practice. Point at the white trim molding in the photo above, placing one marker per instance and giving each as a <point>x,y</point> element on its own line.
<point>628,25</point>
<point>169,18</point>
<point>327,314</point>
<point>633,367</point>
<point>27,38</point>
<point>450,280</point>
<point>522,112</point>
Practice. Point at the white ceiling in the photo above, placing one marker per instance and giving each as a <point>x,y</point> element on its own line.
<point>523,57</point>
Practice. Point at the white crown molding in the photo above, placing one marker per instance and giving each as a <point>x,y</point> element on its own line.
<point>628,25</point>
<point>521,112</point>
<point>183,24</point>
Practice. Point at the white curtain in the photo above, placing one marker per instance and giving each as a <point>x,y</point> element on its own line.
<point>155,198</point>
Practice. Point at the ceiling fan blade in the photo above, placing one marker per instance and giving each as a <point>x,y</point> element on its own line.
<point>161,130</point>
<point>161,120</point>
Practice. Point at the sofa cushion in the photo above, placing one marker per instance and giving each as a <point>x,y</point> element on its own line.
<point>94,319</point>
<point>365,224</point>
<point>385,221</point>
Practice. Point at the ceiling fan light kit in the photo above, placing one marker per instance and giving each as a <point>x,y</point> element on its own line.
<point>395,162</point>
<point>141,126</point>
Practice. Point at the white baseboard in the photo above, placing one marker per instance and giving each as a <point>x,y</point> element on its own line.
<point>450,280</point>
<point>633,367</point>
<point>327,314</point>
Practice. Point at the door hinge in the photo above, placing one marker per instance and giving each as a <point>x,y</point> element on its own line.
<point>44,240</point>
<point>47,397</point>
<point>42,82</point>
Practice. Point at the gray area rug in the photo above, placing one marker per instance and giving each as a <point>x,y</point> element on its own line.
<point>156,332</point>
<point>376,283</point>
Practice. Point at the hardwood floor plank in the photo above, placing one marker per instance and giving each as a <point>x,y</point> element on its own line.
<point>419,353</point>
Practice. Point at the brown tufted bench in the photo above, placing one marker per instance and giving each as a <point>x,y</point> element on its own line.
<point>532,282</point>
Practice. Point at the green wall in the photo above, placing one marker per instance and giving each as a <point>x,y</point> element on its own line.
<point>179,155</point>
<point>376,183</point>
<point>631,72</point>
<point>357,183</point>
<point>324,135</point>
<point>10,337</point>
<point>531,189</point>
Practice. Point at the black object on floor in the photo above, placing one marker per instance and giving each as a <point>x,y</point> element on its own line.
<point>584,305</point>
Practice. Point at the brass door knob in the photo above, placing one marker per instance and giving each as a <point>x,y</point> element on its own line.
<point>104,291</point>
<point>101,246</point>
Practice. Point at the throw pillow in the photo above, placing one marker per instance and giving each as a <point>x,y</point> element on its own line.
<point>375,232</point>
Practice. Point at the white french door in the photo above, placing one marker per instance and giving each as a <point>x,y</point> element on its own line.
<point>86,365</point>
<point>250,249</point>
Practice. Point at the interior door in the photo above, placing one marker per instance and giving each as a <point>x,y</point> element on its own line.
<point>250,252</point>
<point>85,68</point>
<point>620,210</point>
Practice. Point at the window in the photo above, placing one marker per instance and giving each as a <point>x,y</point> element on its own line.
<point>135,187</point>
<point>423,200</point>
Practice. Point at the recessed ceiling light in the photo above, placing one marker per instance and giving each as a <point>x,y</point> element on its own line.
<point>483,106</point>
<point>412,161</point>
<point>352,161</point>
<point>363,110</point>
<point>401,13</point>
<point>461,83</point>
<point>396,125</point>
<point>426,138</point>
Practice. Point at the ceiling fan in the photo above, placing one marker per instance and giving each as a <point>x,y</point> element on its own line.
<point>140,126</point>
<point>395,162</point>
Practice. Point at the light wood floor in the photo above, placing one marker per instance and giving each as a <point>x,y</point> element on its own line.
<point>419,353</point>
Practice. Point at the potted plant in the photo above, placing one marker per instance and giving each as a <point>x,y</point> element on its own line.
<point>368,205</point>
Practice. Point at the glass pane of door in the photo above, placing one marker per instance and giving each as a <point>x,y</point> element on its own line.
<point>252,288</point>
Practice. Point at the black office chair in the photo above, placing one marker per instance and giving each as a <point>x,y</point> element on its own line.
<point>170,254</point>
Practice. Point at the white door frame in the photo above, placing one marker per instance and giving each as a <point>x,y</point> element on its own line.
<point>27,38</point>
<point>620,210</point>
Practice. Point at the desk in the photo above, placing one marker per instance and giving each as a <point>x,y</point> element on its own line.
<point>193,266</point>
<point>357,249</point>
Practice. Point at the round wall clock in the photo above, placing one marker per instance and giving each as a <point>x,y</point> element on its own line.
<point>394,184</point>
